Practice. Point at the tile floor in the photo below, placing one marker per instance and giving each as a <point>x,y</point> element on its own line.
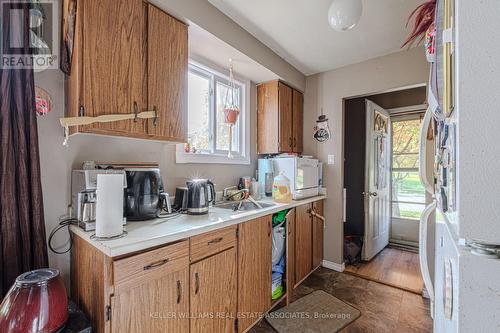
<point>383,308</point>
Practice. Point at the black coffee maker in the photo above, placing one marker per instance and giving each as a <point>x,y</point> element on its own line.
<point>200,192</point>
<point>143,194</point>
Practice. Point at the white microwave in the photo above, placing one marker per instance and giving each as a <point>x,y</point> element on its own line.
<point>303,173</point>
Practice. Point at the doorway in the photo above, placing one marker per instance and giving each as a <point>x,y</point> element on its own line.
<point>381,236</point>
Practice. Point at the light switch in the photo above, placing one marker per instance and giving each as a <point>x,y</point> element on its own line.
<point>331,159</point>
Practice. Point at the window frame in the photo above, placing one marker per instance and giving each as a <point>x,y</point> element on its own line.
<point>241,153</point>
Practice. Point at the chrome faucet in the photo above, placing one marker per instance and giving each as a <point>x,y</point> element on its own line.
<point>226,197</point>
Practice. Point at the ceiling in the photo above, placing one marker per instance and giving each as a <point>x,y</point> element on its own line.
<point>203,46</point>
<point>298,30</point>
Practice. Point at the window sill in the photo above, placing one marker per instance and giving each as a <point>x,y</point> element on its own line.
<point>183,158</point>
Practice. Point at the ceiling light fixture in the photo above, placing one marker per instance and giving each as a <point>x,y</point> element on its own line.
<point>344,14</point>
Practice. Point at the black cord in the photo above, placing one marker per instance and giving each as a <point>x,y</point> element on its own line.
<point>61,225</point>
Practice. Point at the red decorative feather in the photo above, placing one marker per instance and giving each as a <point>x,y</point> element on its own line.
<point>424,17</point>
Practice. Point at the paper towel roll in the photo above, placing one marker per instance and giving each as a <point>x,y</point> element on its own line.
<point>109,207</point>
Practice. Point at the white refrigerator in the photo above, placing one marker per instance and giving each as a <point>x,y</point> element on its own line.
<point>465,288</point>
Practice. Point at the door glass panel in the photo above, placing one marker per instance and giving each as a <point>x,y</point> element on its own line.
<point>408,193</point>
<point>405,210</point>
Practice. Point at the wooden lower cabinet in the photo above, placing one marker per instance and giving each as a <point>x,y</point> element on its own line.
<point>290,255</point>
<point>213,293</point>
<point>317,235</point>
<point>303,242</point>
<point>158,305</point>
<point>219,281</point>
<point>254,270</point>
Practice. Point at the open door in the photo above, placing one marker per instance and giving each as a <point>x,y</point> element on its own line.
<point>377,192</point>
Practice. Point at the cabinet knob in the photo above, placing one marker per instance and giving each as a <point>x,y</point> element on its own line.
<point>290,142</point>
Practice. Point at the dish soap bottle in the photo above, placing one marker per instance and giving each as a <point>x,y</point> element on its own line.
<point>281,189</point>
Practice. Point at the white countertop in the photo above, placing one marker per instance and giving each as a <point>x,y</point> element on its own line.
<point>146,234</point>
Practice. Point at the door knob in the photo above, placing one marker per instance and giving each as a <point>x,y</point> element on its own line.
<point>373,194</point>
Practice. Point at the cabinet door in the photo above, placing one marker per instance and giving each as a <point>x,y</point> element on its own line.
<point>285,118</point>
<point>290,255</point>
<point>267,118</point>
<point>113,62</point>
<point>254,270</point>
<point>298,121</point>
<point>213,293</point>
<point>156,305</point>
<point>318,228</point>
<point>167,75</point>
<point>303,242</point>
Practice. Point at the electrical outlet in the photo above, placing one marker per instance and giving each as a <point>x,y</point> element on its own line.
<point>331,159</point>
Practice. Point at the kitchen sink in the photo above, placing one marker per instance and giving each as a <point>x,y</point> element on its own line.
<point>243,205</point>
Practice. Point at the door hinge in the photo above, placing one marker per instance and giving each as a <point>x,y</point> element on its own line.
<point>81,111</point>
<point>108,312</point>
<point>236,325</point>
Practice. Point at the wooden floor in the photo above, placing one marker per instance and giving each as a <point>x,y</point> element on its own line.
<point>393,267</point>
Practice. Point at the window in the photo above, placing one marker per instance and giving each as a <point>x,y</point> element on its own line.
<point>208,134</point>
<point>408,193</point>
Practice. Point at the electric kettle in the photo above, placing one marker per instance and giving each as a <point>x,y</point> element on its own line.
<point>200,193</point>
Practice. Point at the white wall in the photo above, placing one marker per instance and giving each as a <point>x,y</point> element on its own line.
<point>208,17</point>
<point>327,90</point>
<point>58,161</point>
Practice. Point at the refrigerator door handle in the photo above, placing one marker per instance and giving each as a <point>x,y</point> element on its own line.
<point>422,152</point>
<point>424,265</point>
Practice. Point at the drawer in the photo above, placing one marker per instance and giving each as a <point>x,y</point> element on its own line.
<point>212,242</point>
<point>131,271</point>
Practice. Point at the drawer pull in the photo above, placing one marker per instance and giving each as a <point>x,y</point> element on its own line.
<point>179,291</point>
<point>215,241</point>
<point>156,264</point>
<point>196,283</point>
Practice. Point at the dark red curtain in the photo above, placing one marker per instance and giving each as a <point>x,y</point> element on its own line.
<point>22,227</point>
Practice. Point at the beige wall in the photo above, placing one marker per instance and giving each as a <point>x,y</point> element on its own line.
<point>326,91</point>
<point>58,161</point>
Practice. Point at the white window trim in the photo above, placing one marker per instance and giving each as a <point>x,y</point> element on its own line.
<point>244,157</point>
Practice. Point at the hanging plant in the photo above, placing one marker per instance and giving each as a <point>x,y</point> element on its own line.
<point>231,105</point>
<point>424,20</point>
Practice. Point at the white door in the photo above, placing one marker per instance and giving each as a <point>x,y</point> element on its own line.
<point>377,180</point>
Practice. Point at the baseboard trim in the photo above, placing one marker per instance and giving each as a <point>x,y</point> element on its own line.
<point>333,265</point>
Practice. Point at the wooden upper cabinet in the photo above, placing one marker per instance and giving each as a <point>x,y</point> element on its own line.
<point>298,121</point>
<point>286,118</point>
<point>167,75</point>
<point>129,56</point>
<point>254,270</point>
<point>279,118</point>
<point>267,118</point>
<point>113,63</point>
